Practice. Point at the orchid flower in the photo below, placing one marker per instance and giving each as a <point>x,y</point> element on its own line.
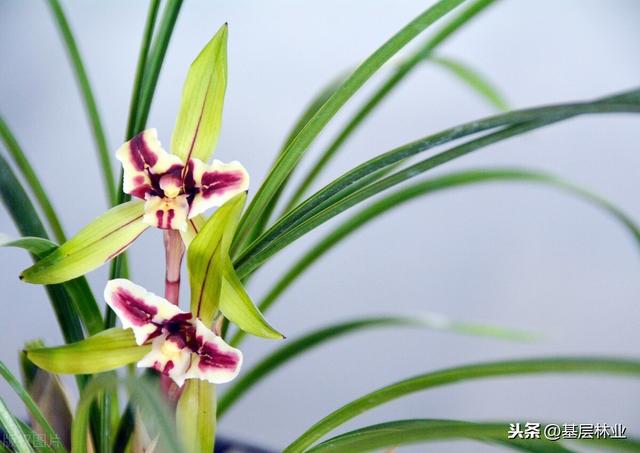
<point>171,190</point>
<point>182,347</point>
<point>174,190</point>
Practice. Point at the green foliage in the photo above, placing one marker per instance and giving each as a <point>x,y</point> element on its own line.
<point>105,351</point>
<point>198,125</point>
<point>95,244</point>
<point>456,375</point>
<point>196,416</point>
<point>217,283</point>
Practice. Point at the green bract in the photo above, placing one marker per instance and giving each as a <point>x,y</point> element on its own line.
<point>213,280</point>
<point>105,351</point>
<point>95,244</point>
<point>198,123</point>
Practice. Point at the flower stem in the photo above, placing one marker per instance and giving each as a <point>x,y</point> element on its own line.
<point>173,252</point>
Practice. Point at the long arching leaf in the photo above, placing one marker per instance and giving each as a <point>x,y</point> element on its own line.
<point>294,152</point>
<point>295,347</point>
<point>560,365</point>
<point>12,430</point>
<point>28,223</point>
<point>448,181</point>
<point>32,407</point>
<point>32,180</point>
<point>381,93</point>
<point>348,190</point>
<point>406,432</point>
<point>88,98</point>
<point>474,80</point>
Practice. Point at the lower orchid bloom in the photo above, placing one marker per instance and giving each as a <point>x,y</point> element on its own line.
<point>182,347</point>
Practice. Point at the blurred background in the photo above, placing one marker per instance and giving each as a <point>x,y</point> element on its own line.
<point>514,255</point>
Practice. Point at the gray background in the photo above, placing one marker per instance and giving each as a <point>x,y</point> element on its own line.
<point>508,254</point>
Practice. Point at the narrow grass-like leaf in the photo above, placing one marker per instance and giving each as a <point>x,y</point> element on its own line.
<point>198,124</point>
<point>318,101</point>
<point>88,98</point>
<point>386,88</point>
<point>294,152</point>
<point>32,180</point>
<point>152,73</point>
<point>448,181</point>
<point>559,365</point>
<point>119,265</point>
<point>474,80</point>
<point>196,416</point>
<point>293,348</point>
<point>12,430</point>
<point>98,242</point>
<point>31,406</point>
<point>146,396</point>
<point>348,190</point>
<point>78,288</point>
<point>406,432</point>
<point>143,55</point>
<point>28,223</point>
<point>108,350</point>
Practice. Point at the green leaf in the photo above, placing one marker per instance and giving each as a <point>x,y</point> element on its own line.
<point>294,152</point>
<point>196,416</point>
<point>293,348</point>
<point>474,80</point>
<point>380,94</point>
<point>237,306</point>
<point>406,432</point>
<point>88,98</point>
<point>147,397</point>
<point>32,180</point>
<point>12,430</point>
<point>562,365</point>
<point>151,72</point>
<point>205,256</point>
<point>98,242</point>
<point>77,289</point>
<point>349,189</point>
<point>198,125</point>
<point>31,406</point>
<point>108,350</point>
<point>448,181</point>
<point>28,223</point>
<point>318,101</point>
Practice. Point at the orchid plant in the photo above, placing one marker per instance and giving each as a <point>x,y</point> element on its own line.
<point>200,209</point>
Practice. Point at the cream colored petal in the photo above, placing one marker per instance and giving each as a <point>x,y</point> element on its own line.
<point>217,183</point>
<point>167,213</point>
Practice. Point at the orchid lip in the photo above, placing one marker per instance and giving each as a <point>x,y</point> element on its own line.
<point>182,346</point>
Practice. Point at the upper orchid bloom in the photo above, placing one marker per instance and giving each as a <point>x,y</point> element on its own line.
<point>182,347</point>
<point>175,187</point>
<point>175,191</point>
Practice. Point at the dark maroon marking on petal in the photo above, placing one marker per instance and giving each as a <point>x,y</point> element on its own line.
<point>141,155</point>
<point>170,215</point>
<point>168,367</point>
<point>215,182</point>
<point>138,180</point>
<point>159,218</point>
<point>181,330</point>
<point>212,357</point>
<point>142,191</point>
<point>134,309</point>
<point>188,180</point>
